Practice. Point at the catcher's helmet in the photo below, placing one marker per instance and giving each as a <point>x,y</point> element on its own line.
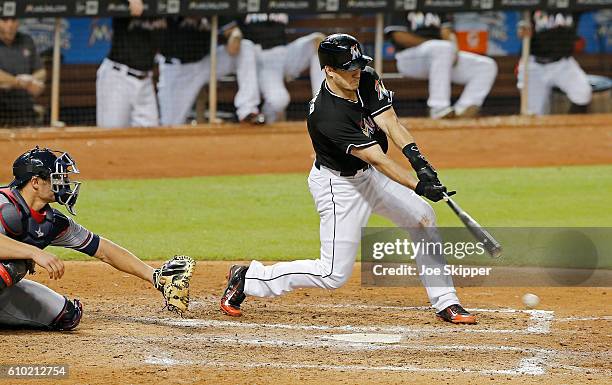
<point>342,51</point>
<point>51,165</point>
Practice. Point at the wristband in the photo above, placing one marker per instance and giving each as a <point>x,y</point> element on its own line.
<point>417,160</point>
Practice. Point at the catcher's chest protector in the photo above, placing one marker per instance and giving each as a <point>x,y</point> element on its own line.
<point>20,224</point>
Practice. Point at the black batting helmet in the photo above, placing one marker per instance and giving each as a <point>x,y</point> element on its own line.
<point>342,51</point>
<point>51,165</point>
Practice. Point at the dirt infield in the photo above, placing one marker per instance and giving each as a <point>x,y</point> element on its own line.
<point>125,337</point>
<point>232,149</point>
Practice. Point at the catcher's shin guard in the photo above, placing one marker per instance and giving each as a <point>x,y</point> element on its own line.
<point>234,295</point>
<point>70,316</point>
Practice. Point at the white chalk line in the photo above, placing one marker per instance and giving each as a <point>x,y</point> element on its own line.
<point>572,319</point>
<point>524,368</point>
<point>207,323</point>
<point>322,341</point>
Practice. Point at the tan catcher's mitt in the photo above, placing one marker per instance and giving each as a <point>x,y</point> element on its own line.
<point>172,280</point>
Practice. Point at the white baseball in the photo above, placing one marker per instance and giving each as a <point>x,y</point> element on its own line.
<point>531,300</point>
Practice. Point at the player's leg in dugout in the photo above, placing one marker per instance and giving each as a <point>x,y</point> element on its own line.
<point>431,60</point>
<point>114,95</point>
<point>343,211</point>
<point>478,73</point>
<point>145,112</point>
<point>572,80</point>
<point>539,86</point>
<point>271,77</point>
<point>29,304</point>
<point>244,65</point>
<point>302,54</point>
<point>178,87</point>
<point>410,212</point>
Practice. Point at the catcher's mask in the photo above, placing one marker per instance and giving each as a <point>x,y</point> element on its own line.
<point>342,51</point>
<point>54,166</point>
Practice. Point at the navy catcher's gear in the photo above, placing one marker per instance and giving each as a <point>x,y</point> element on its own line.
<point>51,165</point>
<point>23,227</point>
<point>343,52</point>
<point>13,271</point>
<point>70,316</point>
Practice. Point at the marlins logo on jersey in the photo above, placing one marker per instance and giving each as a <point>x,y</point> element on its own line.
<point>382,91</point>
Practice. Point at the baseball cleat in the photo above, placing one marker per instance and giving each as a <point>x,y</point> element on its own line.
<point>234,292</point>
<point>254,118</point>
<point>468,112</point>
<point>457,315</point>
<point>442,113</point>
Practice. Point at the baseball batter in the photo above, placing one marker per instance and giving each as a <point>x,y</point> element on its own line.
<point>349,122</point>
<point>278,60</point>
<point>28,225</point>
<point>426,48</point>
<point>553,35</point>
<point>125,95</point>
<point>185,69</point>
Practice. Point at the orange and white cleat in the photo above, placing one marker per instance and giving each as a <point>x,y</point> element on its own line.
<point>457,315</point>
<point>234,295</point>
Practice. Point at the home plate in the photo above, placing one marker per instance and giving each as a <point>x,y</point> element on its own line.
<point>367,338</point>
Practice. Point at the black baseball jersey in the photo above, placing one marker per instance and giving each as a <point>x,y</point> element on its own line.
<point>136,41</point>
<point>266,29</point>
<point>554,34</point>
<point>336,125</point>
<point>186,38</point>
<point>424,24</point>
<point>44,228</point>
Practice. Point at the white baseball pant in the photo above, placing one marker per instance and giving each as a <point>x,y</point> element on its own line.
<point>179,84</point>
<point>280,63</point>
<point>124,100</point>
<point>345,205</point>
<point>433,60</point>
<point>565,74</point>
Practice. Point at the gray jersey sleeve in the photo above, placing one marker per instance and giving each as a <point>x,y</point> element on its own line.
<point>78,238</point>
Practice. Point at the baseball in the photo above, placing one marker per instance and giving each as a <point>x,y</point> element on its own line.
<point>531,300</point>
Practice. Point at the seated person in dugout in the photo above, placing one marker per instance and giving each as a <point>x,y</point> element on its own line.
<point>22,76</point>
<point>426,48</point>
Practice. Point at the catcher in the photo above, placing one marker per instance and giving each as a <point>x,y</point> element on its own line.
<point>28,225</point>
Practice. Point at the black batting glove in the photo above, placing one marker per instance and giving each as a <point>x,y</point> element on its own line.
<point>424,171</point>
<point>431,191</point>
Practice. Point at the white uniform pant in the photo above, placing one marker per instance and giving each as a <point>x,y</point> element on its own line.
<point>124,100</point>
<point>433,60</point>
<point>179,84</point>
<point>565,74</point>
<point>280,63</point>
<point>344,205</point>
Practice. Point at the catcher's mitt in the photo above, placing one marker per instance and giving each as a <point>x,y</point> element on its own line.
<point>172,280</point>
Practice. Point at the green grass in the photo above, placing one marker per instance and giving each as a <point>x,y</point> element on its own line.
<point>272,217</point>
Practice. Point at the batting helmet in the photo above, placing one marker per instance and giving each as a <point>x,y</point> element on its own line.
<point>44,163</point>
<point>342,51</point>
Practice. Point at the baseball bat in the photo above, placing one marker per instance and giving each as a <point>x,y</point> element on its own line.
<point>492,246</point>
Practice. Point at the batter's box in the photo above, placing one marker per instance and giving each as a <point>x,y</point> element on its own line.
<point>528,321</point>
